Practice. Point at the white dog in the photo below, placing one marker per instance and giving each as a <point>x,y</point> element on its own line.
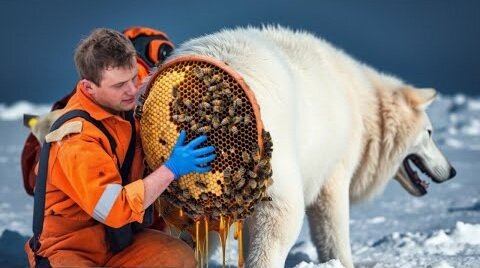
<point>340,131</point>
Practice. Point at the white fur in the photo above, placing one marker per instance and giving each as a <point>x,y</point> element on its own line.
<point>340,131</point>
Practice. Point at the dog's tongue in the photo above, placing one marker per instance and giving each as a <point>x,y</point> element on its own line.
<point>421,182</point>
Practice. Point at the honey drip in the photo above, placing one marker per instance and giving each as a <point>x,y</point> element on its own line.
<point>238,236</point>
<point>223,232</point>
<point>201,239</point>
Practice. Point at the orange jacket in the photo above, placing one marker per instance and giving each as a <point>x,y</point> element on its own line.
<point>83,179</point>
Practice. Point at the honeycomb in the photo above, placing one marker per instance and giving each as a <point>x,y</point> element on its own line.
<point>204,96</point>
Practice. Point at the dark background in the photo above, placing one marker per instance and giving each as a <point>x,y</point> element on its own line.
<point>431,43</point>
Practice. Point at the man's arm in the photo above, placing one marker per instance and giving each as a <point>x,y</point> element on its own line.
<point>155,184</point>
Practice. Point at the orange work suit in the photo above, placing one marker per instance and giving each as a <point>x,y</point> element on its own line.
<point>84,190</point>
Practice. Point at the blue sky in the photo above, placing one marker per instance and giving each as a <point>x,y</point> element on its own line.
<point>430,43</point>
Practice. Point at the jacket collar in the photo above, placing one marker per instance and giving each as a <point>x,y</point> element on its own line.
<point>89,104</point>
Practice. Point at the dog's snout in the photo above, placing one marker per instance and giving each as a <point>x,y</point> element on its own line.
<point>453,172</point>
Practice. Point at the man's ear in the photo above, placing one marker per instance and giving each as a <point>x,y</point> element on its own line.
<point>421,98</point>
<point>88,85</point>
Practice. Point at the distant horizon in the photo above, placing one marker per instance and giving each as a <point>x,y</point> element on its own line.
<point>430,43</point>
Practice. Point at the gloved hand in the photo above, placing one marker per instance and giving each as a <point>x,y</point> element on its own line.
<point>185,158</point>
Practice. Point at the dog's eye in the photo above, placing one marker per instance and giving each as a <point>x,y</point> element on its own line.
<point>429,132</point>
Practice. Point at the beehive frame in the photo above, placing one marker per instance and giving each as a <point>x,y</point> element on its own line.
<point>205,96</point>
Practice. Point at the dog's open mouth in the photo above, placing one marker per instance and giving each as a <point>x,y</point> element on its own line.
<point>413,175</point>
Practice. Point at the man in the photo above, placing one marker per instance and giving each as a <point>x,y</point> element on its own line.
<point>84,192</point>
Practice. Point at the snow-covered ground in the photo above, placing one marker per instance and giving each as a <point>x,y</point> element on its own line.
<point>439,230</point>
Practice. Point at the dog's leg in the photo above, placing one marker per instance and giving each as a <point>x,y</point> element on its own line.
<point>328,219</point>
<point>276,224</point>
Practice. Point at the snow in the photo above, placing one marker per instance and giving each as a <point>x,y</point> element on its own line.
<point>439,230</point>
<point>16,110</point>
<point>329,264</point>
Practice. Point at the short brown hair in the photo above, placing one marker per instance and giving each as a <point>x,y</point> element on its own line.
<point>102,49</point>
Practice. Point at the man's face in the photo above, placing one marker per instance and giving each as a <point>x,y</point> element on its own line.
<point>117,91</point>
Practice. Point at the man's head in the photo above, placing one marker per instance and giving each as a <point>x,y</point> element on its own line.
<point>105,61</point>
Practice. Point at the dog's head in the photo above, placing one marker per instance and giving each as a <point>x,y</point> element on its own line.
<point>422,154</point>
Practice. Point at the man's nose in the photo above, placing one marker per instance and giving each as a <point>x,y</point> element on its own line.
<point>133,88</point>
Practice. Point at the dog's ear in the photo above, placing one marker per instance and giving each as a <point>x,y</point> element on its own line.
<point>420,98</point>
<point>42,127</point>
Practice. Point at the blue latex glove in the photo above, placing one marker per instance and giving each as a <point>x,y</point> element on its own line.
<point>185,158</point>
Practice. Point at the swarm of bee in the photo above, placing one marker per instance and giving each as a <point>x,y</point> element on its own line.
<point>202,97</point>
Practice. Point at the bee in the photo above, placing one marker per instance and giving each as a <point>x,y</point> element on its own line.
<point>247,119</point>
<point>227,172</point>
<point>217,108</point>
<point>239,199</point>
<point>178,117</point>
<point>201,113</point>
<point>216,102</point>
<point>207,70</point>
<point>246,157</point>
<point>237,102</point>
<point>214,88</point>
<point>240,183</point>
<point>142,98</point>
<point>233,129</point>
<point>202,72</point>
<point>206,97</point>
<point>175,91</point>
<point>215,122</point>
<point>186,194</point>
<point>207,81</point>
<point>216,78</point>
<point>262,163</point>
<point>256,154</point>
<point>252,174</point>
<point>216,95</point>
<point>138,112</point>
<point>225,121</point>
<point>208,117</point>
<point>187,103</point>
<point>204,129</point>
<point>266,198</point>
<point>231,111</point>
<point>194,126</point>
<point>215,213</point>
<point>201,185</point>
<point>204,105</point>
<point>199,73</point>
<point>257,194</point>
<point>226,91</point>
<point>239,174</point>
<point>176,105</point>
<point>188,118</point>
<point>181,198</point>
<point>236,120</point>
<point>266,136</point>
<point>226,191</point>
<point>252,183</point>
